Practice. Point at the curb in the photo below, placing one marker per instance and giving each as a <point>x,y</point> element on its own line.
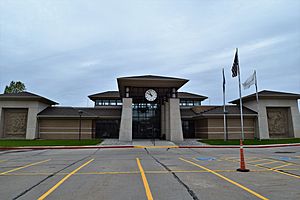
<point>139,147</point>
<point>245,146</point>
<point>65,147</point>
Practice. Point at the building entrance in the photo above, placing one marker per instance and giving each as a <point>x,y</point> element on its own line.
<point>107,128</point>
<point>146,120</point>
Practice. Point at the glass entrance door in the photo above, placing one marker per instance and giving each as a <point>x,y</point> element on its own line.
<point>146,120</point>
<point>107,128</point>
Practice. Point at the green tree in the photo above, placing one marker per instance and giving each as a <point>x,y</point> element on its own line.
<point>15,87</point>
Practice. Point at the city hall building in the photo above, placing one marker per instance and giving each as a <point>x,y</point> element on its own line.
<point>147,107</point>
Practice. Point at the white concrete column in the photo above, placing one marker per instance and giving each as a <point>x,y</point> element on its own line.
<point>125,133</point>
<point>262,120</point>
<point>176,134</point>
<point>32,124</point>
<point>1,122</point>
<point>31,130</point>
<point>162,121</point>
<point>167,120</point>
<point>263,123</point>
<point>295,119</point>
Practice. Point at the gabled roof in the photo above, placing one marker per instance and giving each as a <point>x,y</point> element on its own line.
<point>187,113</point>
<point>149,81</point>
<point>105,95</point>
<point>218,110</point>
<point>268,94</point>
<point>152,77</point>
<point>25,96</point>
<point>192,96</point>
<point>116,95</point>
<point>201,109</point>
<point>87,112</point>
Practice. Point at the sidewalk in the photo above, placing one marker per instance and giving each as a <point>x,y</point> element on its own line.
<point>191,142</point>
<point>146,143</point>
<point>137,142</point>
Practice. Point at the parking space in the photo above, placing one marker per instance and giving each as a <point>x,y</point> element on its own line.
<point>152,173</point>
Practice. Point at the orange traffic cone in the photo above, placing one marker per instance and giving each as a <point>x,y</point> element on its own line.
<point>242,159</point>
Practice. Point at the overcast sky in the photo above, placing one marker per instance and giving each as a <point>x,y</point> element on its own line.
<point>66,50</point>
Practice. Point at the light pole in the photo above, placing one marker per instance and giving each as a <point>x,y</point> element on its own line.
<point>80,112</point>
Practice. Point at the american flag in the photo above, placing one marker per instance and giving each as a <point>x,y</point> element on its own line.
<point>235,66</point>
<point>224,82</point>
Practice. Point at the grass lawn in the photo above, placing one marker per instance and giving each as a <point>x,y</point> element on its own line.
<point>18,143</point>
<point>251,142</point>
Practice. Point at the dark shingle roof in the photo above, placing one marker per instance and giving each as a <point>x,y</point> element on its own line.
<point>218,110</point>
<point>187,113</point>
<point>201,109</point>
<point>149,80</point>
<point>116,95</point>
<point>23,96</point>
<point>73,112</point>
<point>187,95</point>
<point>267,94</point>
<point>151,77</point>
<point>106,95</point>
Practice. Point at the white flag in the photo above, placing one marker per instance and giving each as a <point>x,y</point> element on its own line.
<point>250,81</point>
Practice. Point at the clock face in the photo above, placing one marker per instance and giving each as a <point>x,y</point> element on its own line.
<point>150,95</point>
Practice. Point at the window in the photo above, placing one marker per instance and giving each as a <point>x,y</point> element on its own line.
<point>107,128</point>
<point>189,103</point>
<point>108,102</point>
<point>188,128</point>
<point>197,103</point>
<point>119,102</point>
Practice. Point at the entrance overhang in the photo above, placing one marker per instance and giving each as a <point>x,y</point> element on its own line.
<point>149,81</point>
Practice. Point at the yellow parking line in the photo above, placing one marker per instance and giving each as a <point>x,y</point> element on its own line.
<point>252,161</point>
<point>231,157</point>
<point>264,169</point>
<point>237,158</point>
<point>188,171</point>
<point>12,170</point>
<point>274,170</point>
<point>252,158</point>
<point>157,172</point>
<point>274,161</point>
<point>292,175</point>
<point>202,171</point>
<point>146,185</point>
<point>226,179</point>
<point>155,147</point>
<point>63,180</point>
<point>104,173</point>
<point>282,166</point>
<point>30,174</point>
<point>290,169</point>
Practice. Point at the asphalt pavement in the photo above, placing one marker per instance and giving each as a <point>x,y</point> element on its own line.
<point>149,173</point>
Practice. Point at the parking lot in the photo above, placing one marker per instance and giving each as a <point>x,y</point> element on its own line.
<point>150,173</point>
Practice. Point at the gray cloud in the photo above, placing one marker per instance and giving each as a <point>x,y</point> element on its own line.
<point>67,49</point>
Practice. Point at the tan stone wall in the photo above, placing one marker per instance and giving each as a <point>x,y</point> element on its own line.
<point>201,128</point>
<point>294,116</point>
<point>278,122</point>
<point>15,123</point>
<point>213,128</point>
<point>34,107</point>
<point>64,129</point>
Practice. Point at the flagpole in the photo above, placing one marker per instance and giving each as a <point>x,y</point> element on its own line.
<point>241,104</point>
<point>257,104</point>
<point>224,108</point>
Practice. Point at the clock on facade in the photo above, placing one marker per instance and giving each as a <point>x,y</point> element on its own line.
<point>150,95</point>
